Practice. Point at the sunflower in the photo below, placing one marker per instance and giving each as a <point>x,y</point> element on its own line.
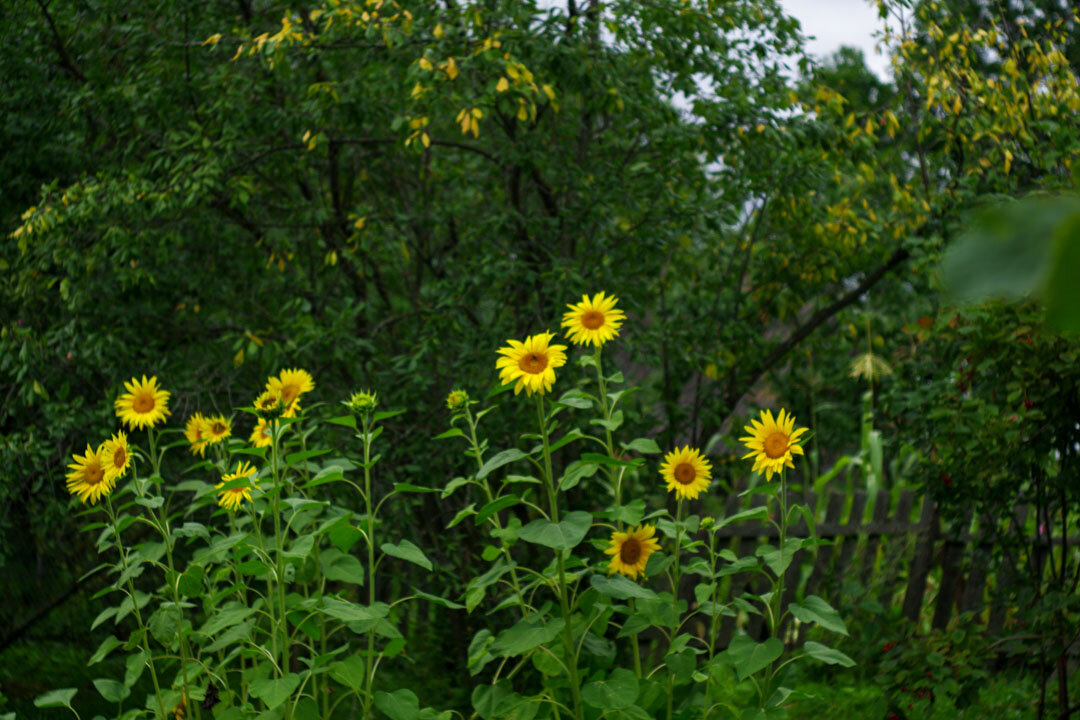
<point>268,404</point>
<point>290,384</point>
<point>87,478</point>
<point>144,404</point>
<point>260,436</point>
<point>232,498</point>
<point>593,320</point>
<point>772,442</point>
<point>216,429</point>
<point>687,472</point>
<point>195,431</point>
<point>532,363</point>
<point>630,550</point>
<point>116,455</point>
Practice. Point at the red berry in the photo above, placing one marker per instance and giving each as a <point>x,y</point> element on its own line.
<point>946,480</point>
<point>1028,404</point>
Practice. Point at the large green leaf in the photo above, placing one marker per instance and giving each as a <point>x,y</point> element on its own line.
<point>341,567</point>
<point>112,690</point>
<point>621,587</point>
<point>398,705</point>
<point>563,535</point>
<point>816,610</point>
<point>828,655</point>
<point>748,656</point>
<point>617,691</point>
<point>55,698</point>
<point>407,551</point>
<point>498,460</point>
<point>526,635</point>
<point>274,691</point>
<point>351,612</point>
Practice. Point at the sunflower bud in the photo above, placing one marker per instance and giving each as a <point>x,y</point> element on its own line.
<point>457,400</point>
<point>362,402</point>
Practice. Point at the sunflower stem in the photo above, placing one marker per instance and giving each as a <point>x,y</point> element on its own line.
<point>479,456</point>
<point>369,676</point>
<point>135,605</point>
<point>564,605</point>
<point>776,600</point>
<point>675,577</point>
<point>279,560</point>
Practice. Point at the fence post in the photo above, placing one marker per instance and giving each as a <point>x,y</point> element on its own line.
<point>920,564</point>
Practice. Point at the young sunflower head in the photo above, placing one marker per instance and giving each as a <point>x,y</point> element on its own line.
<point>260,436</point>
<point>143,405</point>
<point>216,429</point>
<point>594,320</point>
<point>196,433</point>
<point>117,457</point>
<point>772,442</point>
<point>289,385</point>
<point>87,478</point>
<point>531,363</point>
<point>362,402</point>
<point>268,405</point>
<point>233,497</point>
<point>457,400</point>
<point>630,550</point>
<point>686,472</point>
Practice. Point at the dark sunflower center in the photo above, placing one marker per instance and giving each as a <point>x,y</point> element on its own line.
<point>289,393</point>
<point>218,428</point>
<point>776,445</point>
<point>119,457</point>
<point>685,473</point>
<point>143,403</point>
<point>94,474</point>
<point>630,552</point>
<point>592,319</point>
<point>533,362</point>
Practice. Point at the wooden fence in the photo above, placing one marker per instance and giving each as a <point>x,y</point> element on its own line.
<point>892,553</point>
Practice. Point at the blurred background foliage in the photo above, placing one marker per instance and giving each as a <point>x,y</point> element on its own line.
<point>383,192</point>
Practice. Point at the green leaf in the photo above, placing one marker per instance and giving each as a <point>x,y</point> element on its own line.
<point>757,513</point>
<point>226,618</point>
<point>451,433</point>
<point>346,420</point>
<point>351,612</point>
<point>606,460</point>
<point>56,698</point>
<point>827,655</point>
<point>526,635</point>
<point>620,587</point>
<point>618,691</point>
<point>410,488</point>
<point>111,690</point>
<point>576,399</point>
<point>407,551</point>
<point>575,471</point>
<point>191,582</point>
<point>386,415</point>
<point>748,656</point>
<point>293,458</point>
<point>504,458</point>
<point>816,610</point>
<point>452,486</point>
<point>350,672</point>
<point>645,446</point>
<point>778,560</point>
<point>163,625</point>
<point>341,567</point>
<point>107,646</point>
<point>463,513</point>
<point>495,506</point>
<point>564,535</point>
<point>1062,295</point>
<point>438,600</point>
<point>274,691</point>
<point>398,705</point>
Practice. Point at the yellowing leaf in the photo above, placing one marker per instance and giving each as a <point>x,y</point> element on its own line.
<point>503,85</point>
<point>238,358</point>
